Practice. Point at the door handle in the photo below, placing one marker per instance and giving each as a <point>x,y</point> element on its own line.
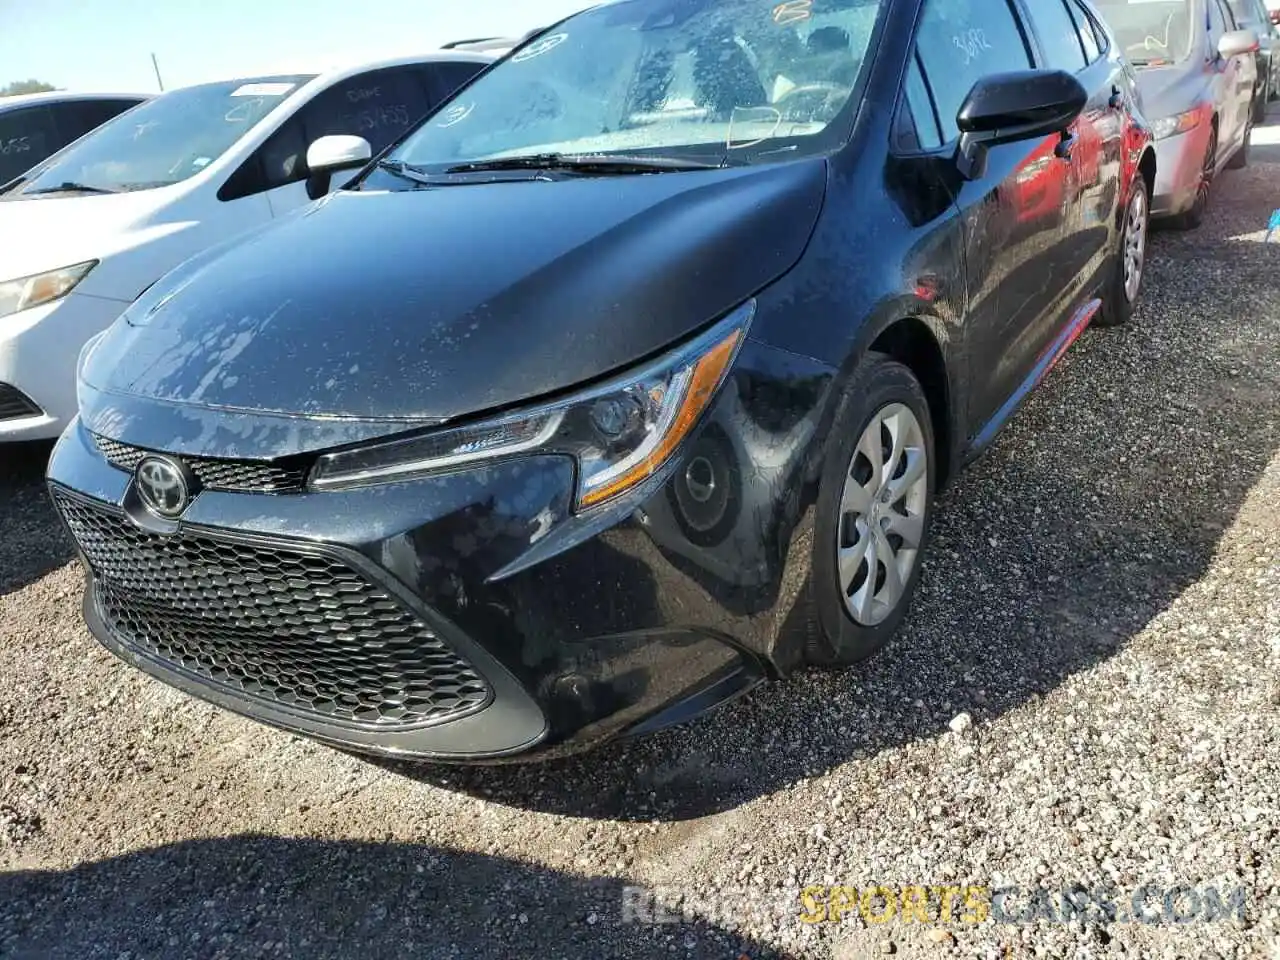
<point>1117,99</point>
<point>1068,143</point>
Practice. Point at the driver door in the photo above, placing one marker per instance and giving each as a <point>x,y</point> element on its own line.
<point>1014,216</point>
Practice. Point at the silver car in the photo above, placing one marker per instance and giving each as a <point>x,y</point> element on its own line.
<point>1197,73</point>
<point>1253,15</point>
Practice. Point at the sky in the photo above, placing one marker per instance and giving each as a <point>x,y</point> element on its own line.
<point>106,45</point>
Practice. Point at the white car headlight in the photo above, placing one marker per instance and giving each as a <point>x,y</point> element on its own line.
<point>27,292</point>
<point>1178,123</point>
<point>620,433</point>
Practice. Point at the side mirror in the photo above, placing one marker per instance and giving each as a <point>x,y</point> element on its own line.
<point>1008,107</point>
<point>333,154</point>
<point>1237,43</point>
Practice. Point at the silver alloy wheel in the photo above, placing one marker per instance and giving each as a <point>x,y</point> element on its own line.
<point>1135,243</point>
<point>882,513</point>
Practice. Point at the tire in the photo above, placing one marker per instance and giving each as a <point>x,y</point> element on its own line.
<point>1119,296</point>
<point>837,635</point>
<point>1240,159</point>
<point>1193,217</point>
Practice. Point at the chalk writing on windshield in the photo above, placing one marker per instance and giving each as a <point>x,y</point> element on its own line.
<point>245,111</point>
<point>539,47</point>
<point>972,44</point>
<point>455,115</point>
<point>792,11</point>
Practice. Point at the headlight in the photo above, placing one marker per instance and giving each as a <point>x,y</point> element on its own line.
<point>1178,123</point>
<point>620,433</point>
<point>27,292</point>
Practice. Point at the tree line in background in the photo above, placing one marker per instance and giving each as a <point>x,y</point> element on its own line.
<point>26,86</point>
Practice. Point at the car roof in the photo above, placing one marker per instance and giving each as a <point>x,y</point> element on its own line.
<point>65,96</point>
<point>327,74</point>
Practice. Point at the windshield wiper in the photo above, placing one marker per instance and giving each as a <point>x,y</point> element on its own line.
<point>603,163</point>
<point>406,172</point>
<point>70,186</point>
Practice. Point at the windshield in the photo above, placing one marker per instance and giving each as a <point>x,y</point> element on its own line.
<point>165,140</point>
<point>700,77</point>
<point>1151,32</point>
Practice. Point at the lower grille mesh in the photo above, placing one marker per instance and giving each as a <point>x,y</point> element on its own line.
<point>14,404</point>
<point>275,624</point>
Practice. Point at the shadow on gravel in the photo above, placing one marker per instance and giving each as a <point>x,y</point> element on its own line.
<point>1102,504</point>
<point>32,541</point>
<point>256,896</point>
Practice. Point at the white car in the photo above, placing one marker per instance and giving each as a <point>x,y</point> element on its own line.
<point>87,231</point>
<point>34,126</point>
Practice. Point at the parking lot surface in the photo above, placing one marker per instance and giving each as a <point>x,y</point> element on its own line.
<point>1086,695</point>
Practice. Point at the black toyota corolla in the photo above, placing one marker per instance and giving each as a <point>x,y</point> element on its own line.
<point>623,382</point>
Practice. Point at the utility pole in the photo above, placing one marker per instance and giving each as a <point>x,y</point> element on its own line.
<point>156,65</point>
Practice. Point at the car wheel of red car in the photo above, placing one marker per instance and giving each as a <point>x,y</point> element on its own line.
<point>1129,262</point>
<point>875,503</point>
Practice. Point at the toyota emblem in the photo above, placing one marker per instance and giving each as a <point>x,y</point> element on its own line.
<point>162,485</point>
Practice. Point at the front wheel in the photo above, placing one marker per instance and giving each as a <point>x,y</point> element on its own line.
<point>1240,159</point>
<point>1130,259</point>
<point>874,507</point>
<point>1194,216</point>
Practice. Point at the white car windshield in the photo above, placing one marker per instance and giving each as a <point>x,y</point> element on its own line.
<point>163,141</point>
<point>686,77</point>
<point>1151,31</point>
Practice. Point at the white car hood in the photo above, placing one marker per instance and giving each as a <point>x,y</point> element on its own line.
<point>46,233</point>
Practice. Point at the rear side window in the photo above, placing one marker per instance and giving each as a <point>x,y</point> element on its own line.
<point>960,41</point>
<point>27,136</point>
<point>1059,36</point>
<point>379,106</point>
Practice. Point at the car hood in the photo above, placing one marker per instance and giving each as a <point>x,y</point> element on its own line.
<point>435,303</point>
<point>60,230</point>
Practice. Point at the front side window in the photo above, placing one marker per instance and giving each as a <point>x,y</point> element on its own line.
<point>379,105</point>
<point>1152,32</point>
<point>78,117</point>
<point>27,136</point>
<point>446,77</point>
<point>920,105</point>
<point>961,41</point>
<point>165,140</point>
<point>1059,38</point>
<point>1087,29</point>
<point>695,77</point>
<point>1219,20</point>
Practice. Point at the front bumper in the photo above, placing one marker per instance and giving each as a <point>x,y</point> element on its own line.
<point>1179,164</point>
<point>575,629</point>
<point>38,352</point>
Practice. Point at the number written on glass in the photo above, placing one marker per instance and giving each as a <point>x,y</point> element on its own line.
<point>971,44</point>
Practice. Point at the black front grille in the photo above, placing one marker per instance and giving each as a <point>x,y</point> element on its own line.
<point>271,623</point>
<point>15,405</point>
<point>238,476</point>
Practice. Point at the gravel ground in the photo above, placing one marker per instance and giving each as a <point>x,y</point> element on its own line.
<point>1088,693</point>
